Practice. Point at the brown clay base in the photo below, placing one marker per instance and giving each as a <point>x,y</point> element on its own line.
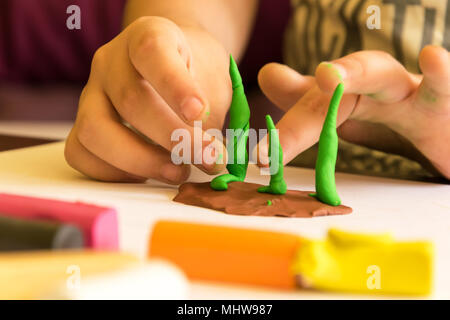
<point>242,198</point>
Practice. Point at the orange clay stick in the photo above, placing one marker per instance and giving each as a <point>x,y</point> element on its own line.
<point>227,254</point>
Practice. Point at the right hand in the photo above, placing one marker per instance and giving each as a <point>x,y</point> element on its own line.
<point>158,77</point>
<point>384,107</point>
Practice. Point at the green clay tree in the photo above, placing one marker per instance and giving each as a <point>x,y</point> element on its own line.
<point>327,154</point>
<point>239,123</point>
<point>277,184</point>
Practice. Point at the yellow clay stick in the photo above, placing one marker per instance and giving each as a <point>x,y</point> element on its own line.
<point>32,275</point>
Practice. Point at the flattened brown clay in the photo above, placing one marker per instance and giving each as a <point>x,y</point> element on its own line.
<point>242,198</point>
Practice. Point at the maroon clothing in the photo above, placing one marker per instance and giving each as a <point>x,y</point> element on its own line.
<point>266,42</point>
<point>36,45</point>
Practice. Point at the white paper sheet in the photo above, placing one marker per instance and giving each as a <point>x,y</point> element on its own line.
<point>410,210</point>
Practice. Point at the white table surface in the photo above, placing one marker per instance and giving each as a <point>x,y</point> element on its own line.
<point>410,210</point>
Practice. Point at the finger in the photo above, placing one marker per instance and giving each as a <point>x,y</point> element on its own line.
<point>434,90</point>
<point>372,73</point>
<point>300,127</point>
<point>140,105</point>
<point>156,56</point>
<point>101,132</point>
<point>79,158</point>
<point>283,85</point>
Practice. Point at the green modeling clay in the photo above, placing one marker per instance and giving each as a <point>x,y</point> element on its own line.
<point>239,122</point>
<point>326,157</point>
<point>277,184</point>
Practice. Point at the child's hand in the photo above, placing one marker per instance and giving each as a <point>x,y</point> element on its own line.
<point>385,107</point>
<point>158,77</point>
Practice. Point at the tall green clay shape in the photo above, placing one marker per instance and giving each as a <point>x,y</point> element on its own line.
<point>327,155</point>
<point>277,184</point>
<point>239,122</point>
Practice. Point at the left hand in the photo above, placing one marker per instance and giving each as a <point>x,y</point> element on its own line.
<point>384,106</point>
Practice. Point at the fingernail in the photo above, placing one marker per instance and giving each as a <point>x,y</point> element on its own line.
<point>336,69</point>
<point>339,71</point>
<point>172,172</point>
<point>210,156</point>
<point>213,157</point>
<point>191,108</point>
<point>219,159</point>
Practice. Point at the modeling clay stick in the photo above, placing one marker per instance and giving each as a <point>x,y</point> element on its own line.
<point>30,275</point>
<point>98,224</point>
<point>327,154</point>
<point>342,262</point>
<point>277,184</point>
<point>19,234</point>
<point>239,124</point>
<point>227,254</point>
<point>350,262</point>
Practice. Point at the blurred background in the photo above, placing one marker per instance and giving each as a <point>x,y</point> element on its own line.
<point>44,65</point>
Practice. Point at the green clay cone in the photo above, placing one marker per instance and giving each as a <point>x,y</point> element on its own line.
<point>239,122</point>
<point>327,155</point>
<point>277,184</point>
